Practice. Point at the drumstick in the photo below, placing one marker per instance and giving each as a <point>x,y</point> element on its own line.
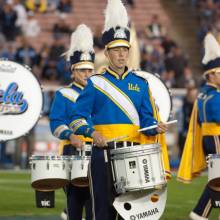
<point>155,126</point>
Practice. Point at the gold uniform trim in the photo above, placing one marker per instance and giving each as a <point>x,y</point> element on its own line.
<point>210,129</point>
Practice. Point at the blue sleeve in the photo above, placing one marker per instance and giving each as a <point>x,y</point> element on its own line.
<point>214,108</point>
<point>58,117</point>
<point>146,113</point>
<point>82,111</point>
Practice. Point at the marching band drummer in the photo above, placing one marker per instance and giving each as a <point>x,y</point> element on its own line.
<point>119,103</point>
<point>81,56</point>
<point>203,136</point>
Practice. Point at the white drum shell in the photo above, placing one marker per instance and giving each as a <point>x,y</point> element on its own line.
<point>79,167</point>
<point>46,170</point>
<point>213,172</point>
<point>140,167</point>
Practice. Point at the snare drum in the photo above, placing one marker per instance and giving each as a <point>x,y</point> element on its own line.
<point>79,167</point>
<point>49,172</point>
<point>138,167</point>
<point>213,172</point>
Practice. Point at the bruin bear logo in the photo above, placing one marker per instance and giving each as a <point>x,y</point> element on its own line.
<point>85,56</point>
<point>120,33</point>
<point>11,101</point>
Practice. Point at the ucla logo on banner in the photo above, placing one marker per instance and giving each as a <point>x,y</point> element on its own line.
<point>12,101</point>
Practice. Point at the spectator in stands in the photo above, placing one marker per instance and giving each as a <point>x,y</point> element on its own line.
<point>36,5</point>
<point>153,63</point>
<point>61,27</point>
<point>7,51</point>
<point>177,62</point>
<point>31,27</point>
<point>167,44</point>
<point>26,54</point>
<point>50,65</point>
<point>187,107</point>
<point>169,79</point>
<point>155,29</point>
<point>63,72</point>
<point>64,6</point>
<point>8,17</point>
<point>21,14</point>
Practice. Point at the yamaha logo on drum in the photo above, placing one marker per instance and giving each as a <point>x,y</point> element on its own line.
<point>146,170</point>
<point>145,214</point>
<point>11,101</point>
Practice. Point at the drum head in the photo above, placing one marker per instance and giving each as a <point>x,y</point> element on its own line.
<point>80,182</point>
<point>49,184</point>
<point>214,184</point>
<point>160,94</point>
<point>20,100</point>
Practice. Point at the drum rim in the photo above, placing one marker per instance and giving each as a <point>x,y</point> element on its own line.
<point>135,148</point>
<point>50,157</point>
<point>141,188</point>
<point>78,157</point>
<point>213,156</point>
<point>132,155</point>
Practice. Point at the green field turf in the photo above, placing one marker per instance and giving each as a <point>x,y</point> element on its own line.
<point>18,199</point>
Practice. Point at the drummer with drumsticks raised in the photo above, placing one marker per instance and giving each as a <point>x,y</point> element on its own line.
<point>203,136</point>
<point>119,103</point>
<point>81,57</point>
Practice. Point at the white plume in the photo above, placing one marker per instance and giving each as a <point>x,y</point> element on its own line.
<point>115,15</point>
<point>212,48</point>
<point>81,40</point>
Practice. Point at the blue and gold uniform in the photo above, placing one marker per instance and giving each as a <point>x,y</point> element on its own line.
<point>118,106</point>
<point>81,57</point>
<point>203,136</point>
<point>64,101</point>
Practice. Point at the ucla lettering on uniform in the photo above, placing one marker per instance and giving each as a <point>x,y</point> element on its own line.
<point>133,87</point>
<point>11,101</point>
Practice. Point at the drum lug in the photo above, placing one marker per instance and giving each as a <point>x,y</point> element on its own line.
<point>48,165</point>
<point>120,186</point>
<point>64,166</point>
<point>34,166</point>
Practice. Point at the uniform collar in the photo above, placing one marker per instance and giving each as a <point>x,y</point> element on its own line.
<point>75,84</point>
<point>212,85</point>
<point>113,73</point>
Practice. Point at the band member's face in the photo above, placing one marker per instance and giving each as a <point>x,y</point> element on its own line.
<point>217,78</point>
<point>81,76</point>
<point>118,56</point>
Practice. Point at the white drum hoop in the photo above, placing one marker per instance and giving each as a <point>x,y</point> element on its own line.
<point>149,148</point>
<point>21,100</point>
<point>49,157</point>
<point>160,93</point>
